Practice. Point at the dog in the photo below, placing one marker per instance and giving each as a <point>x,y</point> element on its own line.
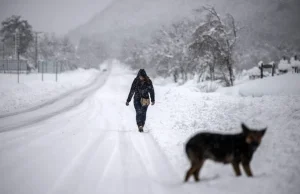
<point>234,149</point>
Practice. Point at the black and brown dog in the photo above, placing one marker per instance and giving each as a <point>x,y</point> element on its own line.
<point>224,148</point>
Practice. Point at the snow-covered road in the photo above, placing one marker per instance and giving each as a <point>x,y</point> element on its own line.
<point>90,148</point>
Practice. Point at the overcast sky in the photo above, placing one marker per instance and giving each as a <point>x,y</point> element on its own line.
<point>57,16</point>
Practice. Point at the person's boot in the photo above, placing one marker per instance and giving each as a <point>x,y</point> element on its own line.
<point>141,129</point>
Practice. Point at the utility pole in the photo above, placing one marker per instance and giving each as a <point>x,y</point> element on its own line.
<point>17,45</point>
<point>56,69</point>
<point>3,54</point>
<point>36,48</point>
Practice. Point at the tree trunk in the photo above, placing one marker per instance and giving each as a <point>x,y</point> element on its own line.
<point>229,66</point>
<point>212,72</point>
<point>185,76</point>
<point>175,76</point>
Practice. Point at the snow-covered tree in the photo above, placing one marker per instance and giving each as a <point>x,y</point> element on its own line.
<point>215,41</point>
<point>284,65</point>
<point>8,31</point>
<point>48,47</point>
<point>295,62</point>
<point>57,50</point>
<point>167,51</point>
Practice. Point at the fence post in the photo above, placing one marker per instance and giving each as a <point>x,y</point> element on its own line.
<point>39,67</point>
<point>3,55</point>
<point>18,70</point>
<point>46,68</point>
<point>261,71</point>
<point>56,68</point>
<point>43,71</point>
<point>273,70</point>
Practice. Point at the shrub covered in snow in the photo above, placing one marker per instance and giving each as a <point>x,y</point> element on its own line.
<point>295,62</point>
<point>208,86</point>
<point>253,71</point>
<point>284,65</point>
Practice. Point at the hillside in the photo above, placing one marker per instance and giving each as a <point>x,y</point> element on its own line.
<point>267,22</point>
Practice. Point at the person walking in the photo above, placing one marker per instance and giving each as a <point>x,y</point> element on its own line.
<point>141,88</point>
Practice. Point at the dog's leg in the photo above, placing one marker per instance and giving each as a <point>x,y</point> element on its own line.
<point>236,168</point>
<point>247,169</point>
<point>197,171</point>
<point>190,172</point>
<point>194,167</point>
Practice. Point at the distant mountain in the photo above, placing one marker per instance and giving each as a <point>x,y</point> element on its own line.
<point>123,17</point>
<point>269,21</point>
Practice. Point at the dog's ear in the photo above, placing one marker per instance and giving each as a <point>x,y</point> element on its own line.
<point>245,128</point>
<point>262,132</point>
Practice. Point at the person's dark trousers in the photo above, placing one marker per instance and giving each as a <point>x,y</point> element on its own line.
<point>141,112</point>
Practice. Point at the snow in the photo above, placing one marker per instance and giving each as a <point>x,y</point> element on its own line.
<point>284,65</point>
<point>103,67</point>
<point>253,71</point>
<point>32,91</point>
<point>282,85</point>
<point>182,112</point>
<point>295,63</point>
<point>94,147</point>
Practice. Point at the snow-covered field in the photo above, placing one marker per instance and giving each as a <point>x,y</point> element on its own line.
<point>94,147</point>
<point>31,91</point>
<point>181,112</point>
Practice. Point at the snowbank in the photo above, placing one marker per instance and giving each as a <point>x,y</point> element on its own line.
<point>284,65</point>
<point>31,91</point>
<point>180,112</point>
<point>253,71</point>
<point>287,84</point>
<point>295,63</point>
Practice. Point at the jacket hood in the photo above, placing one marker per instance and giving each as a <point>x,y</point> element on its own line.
<point>142,72</point>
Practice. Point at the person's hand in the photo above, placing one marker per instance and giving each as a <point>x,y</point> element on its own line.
<point>127,103</point>
<point>152,103</point>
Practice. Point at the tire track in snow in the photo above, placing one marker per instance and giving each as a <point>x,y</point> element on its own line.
<point>24,137</point>
<point>52,101</point>
<point>97,165</point>
<point>39,143</point>
<point>107,164</point>
<point>62,105</point>
<point>57,156</point>
<point>135,177</point>
<point>157,165</point>
<point>51,149</point>
<point>58,122</point>
<point>70,178</point>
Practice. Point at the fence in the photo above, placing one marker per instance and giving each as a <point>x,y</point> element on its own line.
<point>22,66</point>
<point>52,67</point>
<point>14,66</point>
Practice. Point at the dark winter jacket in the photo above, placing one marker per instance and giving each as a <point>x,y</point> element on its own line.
<point>141,89</point>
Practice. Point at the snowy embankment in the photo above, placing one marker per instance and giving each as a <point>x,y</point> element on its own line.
<point>283,85</point>
<point>181,111</point>
<point>32,91</point>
